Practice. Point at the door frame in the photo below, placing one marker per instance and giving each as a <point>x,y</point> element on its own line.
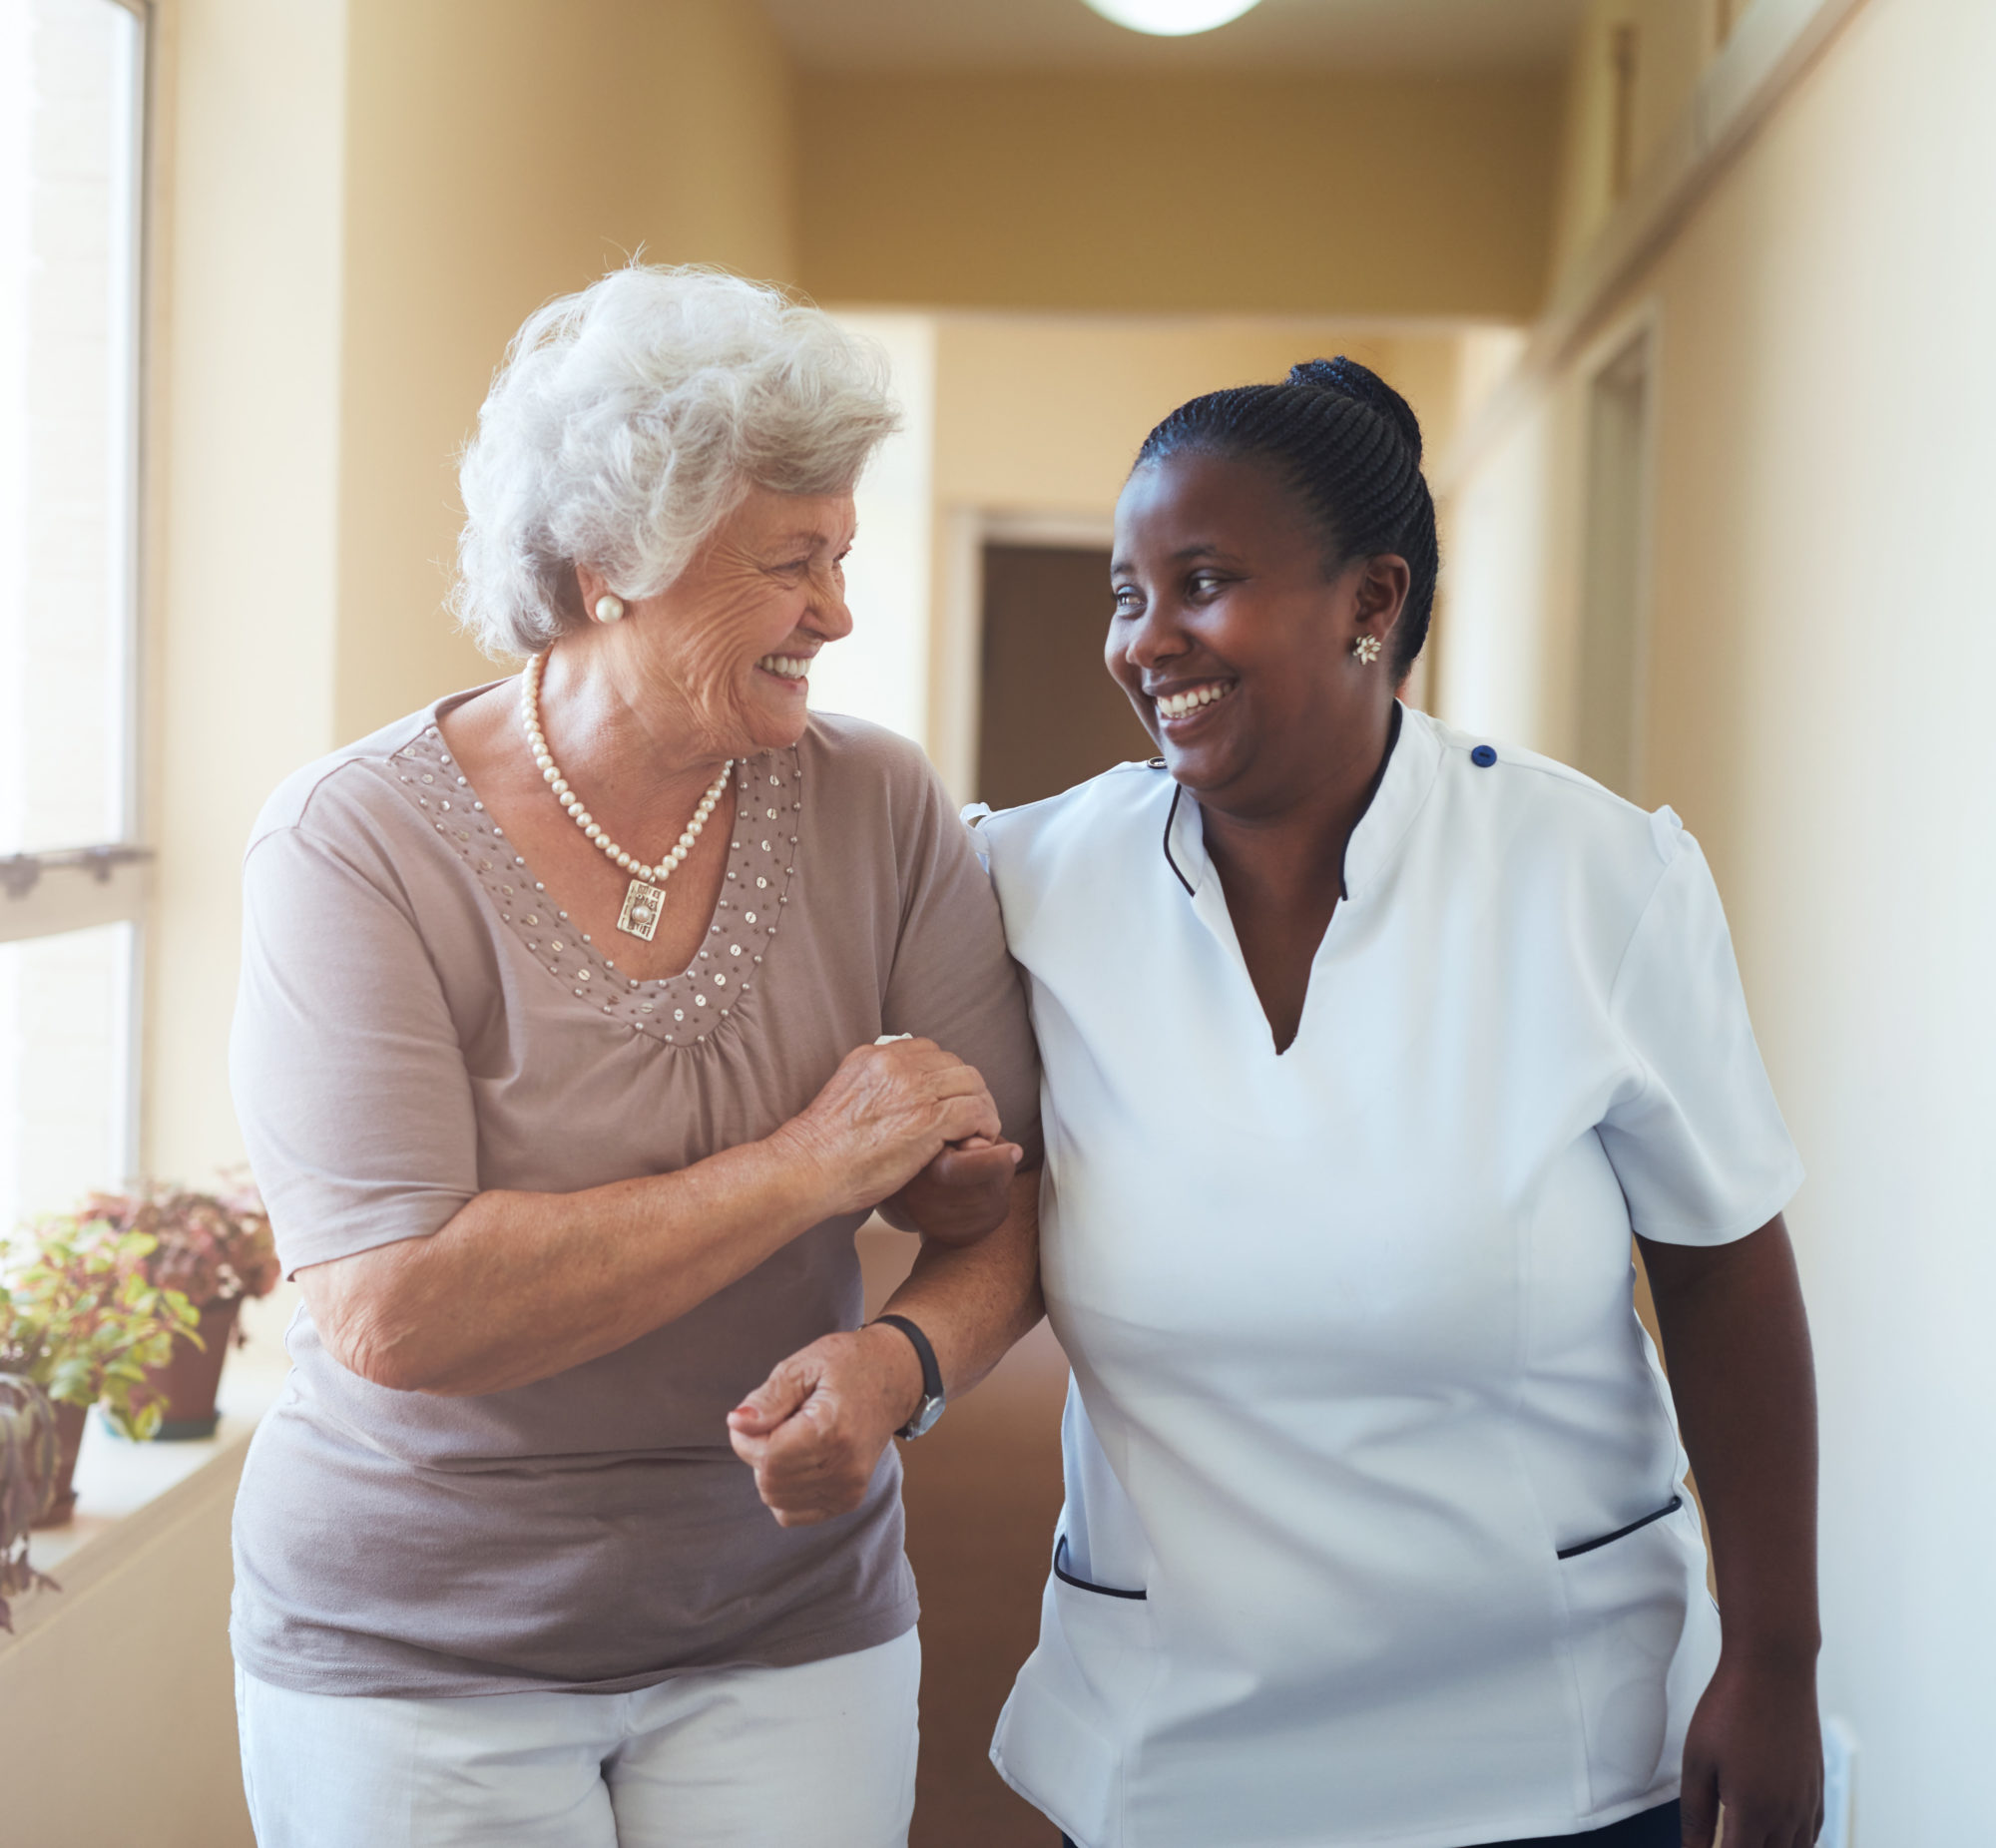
<point>1638,330</point>
<point>956,652</point>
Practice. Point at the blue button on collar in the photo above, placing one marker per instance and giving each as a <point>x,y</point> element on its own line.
<point>1483,757</point>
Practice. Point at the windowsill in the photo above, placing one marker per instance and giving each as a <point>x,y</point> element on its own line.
<point>129,1493</point>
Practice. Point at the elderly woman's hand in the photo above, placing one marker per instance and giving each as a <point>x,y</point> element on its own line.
<point>886,1113</point>
<point>813,1430</point>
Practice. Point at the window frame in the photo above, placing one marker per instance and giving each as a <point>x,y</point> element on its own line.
<point>53,893</point>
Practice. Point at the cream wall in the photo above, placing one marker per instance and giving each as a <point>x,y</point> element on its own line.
<point>241,492</point>
<point>1824,635</point>
<point>1221,194</point>
<point>500,152</point>
<point>1044,413</point>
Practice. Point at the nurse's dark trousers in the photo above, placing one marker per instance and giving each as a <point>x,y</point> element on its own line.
<point>1654,1828</point>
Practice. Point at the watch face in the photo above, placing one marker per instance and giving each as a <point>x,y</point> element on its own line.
<point>925,1416</point>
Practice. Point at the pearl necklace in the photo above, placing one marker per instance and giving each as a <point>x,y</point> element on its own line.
<point>645,896</point>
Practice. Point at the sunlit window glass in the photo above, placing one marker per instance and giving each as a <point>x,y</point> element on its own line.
<point>63,1068</point>
<point>69,194</point>
<point>71,898</point>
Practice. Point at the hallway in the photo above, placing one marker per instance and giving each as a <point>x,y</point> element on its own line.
<point>1693,300</point>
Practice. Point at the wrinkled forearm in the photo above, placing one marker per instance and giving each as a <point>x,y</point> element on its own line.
<point>517,1287</point>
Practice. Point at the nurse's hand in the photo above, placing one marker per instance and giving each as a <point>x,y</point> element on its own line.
<point>814,1430</point>
<point>1756,1748</point>
<point>883,1117</point>
<point>962,1195</point>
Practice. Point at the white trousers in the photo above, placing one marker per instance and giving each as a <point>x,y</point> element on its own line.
<point>817,1756</point>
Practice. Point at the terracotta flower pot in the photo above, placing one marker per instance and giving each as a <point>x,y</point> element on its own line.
<point>190,1380</point>
<point>68,1435</point>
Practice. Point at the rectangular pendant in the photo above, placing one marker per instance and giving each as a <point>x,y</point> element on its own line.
<point>640,916</point>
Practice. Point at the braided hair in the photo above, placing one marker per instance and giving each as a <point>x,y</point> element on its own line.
<point>1350,447</point>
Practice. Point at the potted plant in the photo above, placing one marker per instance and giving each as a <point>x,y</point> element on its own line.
<point>80,1318</point>
<point>215,1249</point>
<point>30,1455</point>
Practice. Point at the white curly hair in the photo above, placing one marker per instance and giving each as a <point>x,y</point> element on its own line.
<point>629,420</point>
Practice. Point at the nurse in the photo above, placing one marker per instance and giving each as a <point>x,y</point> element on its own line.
<point>1366,1046</point>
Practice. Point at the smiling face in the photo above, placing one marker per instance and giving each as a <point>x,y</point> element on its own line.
<point>723,657</point>
<point>1234,645</point>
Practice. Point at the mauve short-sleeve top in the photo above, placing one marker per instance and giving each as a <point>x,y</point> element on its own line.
<point>418,1022</point>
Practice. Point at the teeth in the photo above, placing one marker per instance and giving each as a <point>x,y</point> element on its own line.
<point>791,667</point>
<point>1178,705</point>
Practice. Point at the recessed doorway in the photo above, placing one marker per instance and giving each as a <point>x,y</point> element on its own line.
<point>1049,715</point>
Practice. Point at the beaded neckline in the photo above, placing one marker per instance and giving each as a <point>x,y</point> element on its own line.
<point>725,977</point>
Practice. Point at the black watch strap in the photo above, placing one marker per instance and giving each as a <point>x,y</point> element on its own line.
<point>931,1406</point>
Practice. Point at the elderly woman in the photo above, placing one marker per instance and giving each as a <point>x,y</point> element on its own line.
<point>1367,1045</point>
<point>556,1053</point>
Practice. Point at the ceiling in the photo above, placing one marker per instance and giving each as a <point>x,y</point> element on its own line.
<point>1279,35</point>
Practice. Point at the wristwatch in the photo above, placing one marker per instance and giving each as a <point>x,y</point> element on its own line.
<point>931,1406</point>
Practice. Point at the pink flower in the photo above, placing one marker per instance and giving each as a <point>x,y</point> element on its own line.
<point>212,1249</point>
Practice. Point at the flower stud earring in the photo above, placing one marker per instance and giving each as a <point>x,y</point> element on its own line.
<point>609,608</point>
<point>1366,647</point>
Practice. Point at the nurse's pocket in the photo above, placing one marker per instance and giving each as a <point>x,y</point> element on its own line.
<point>1062,1738</point>
<point>1636,1615</point>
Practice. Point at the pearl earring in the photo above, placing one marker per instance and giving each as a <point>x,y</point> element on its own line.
<point>609,608</point>
<point>1366,647</point>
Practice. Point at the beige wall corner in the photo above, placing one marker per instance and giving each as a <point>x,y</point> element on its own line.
<point>244,351</point>
<point>502,152</point>
<point>1382,196</point>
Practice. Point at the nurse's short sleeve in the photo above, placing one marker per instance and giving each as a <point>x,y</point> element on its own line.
<point>1698,1144</point>
<point>349,1080</point>
<point>953,979</point>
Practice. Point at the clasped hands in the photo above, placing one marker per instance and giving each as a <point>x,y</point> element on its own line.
<point>909,1129</point>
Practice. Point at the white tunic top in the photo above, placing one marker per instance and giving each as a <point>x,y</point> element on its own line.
<point>1361,1404</point>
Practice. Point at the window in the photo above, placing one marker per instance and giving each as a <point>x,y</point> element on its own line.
<point>72,885</point>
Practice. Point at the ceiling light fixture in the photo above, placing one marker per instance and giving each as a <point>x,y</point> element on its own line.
<point>1171,19</point>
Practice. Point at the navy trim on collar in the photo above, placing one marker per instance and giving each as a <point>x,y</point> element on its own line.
<point>1371,794</point>
<point>1170,815</point>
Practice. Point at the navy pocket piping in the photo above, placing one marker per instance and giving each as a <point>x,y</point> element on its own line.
<point>1622,1533</point>
<point>1081,1584</point>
